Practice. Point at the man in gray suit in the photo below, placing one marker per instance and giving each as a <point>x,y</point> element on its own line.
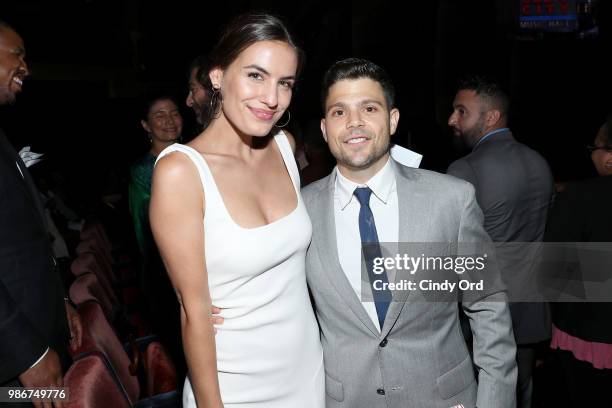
<point>392,352</point>
<point>514,188</point>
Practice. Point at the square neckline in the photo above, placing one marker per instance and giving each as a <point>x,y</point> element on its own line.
<point>294,183</point>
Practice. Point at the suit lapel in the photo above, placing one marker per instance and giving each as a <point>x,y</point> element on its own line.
<point>328,253</point>
<point>413,223</point>
<point>29,186</point>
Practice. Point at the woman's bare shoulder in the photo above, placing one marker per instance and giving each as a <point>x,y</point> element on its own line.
<point>176,173</point>
<point>175,164</point>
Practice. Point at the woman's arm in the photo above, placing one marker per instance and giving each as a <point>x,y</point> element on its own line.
<point>177,213</point>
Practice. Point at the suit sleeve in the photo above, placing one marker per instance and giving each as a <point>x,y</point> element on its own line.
<point>493,340</point>
<point>20,343</point>
<point>462,169</point>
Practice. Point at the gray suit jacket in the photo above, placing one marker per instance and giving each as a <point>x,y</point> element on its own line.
<point>420,358</point>
<point>514,188</point>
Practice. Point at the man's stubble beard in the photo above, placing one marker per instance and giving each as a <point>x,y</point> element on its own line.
<point>369,160</point>
<point>464,141</point>
<point>6,96</point>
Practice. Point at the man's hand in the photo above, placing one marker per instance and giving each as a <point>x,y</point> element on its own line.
<point>215,318</point>
<point>75,325</point>
<point>47,373</point>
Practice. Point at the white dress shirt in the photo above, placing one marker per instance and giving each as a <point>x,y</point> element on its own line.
<point>384,206</point>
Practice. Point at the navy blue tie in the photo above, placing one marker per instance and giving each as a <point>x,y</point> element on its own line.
<point>371,249</point>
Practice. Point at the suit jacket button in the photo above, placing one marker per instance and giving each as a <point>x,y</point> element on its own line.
<point>384,343</point>
<point>380,391</point>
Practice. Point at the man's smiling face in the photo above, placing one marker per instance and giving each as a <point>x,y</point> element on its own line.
<point>13,68</point>
<point>358,125</point>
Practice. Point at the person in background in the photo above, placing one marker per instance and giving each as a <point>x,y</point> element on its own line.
<point>198,98</point>
<point>582,332</point>
<point>514,188</point>
<point>35,317</point>
<point>162,122</point>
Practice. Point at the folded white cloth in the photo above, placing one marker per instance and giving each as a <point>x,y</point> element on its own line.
<point>405,156</point>
<point>30,158</point>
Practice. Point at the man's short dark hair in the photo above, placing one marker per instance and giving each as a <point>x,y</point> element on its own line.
<point>357,68</point>
<point>489,90</point>
<point>202,65</point>
<point>4,24</point>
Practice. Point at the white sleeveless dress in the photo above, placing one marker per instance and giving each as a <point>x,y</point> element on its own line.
<point>268,349</point>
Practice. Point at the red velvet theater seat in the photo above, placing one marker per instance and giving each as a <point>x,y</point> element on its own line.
<point>92,384</point>
<point>102,259</point>
<point>87,287</point>
<point>94,229</point>
<point>160,370</point>
<point>98,335</point>
<point>86,262</point>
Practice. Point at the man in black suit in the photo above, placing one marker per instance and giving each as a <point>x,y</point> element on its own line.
<point>514,188</point>
<point>33,314</point>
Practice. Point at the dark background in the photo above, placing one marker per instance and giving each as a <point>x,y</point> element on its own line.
<point>90,60</point>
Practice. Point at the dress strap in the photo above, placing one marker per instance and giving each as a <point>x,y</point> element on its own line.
<point>287,153</point>
<point>211,192</point>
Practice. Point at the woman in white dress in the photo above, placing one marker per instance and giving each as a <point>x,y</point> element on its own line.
<point>232,229</point>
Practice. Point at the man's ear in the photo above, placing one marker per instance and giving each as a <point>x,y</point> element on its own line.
<point>394,116</point>
<point>216,77</point>
<point>492,117</point>
<point>323,130</point>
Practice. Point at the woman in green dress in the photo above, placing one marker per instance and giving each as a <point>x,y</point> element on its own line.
<point>163,123</point>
